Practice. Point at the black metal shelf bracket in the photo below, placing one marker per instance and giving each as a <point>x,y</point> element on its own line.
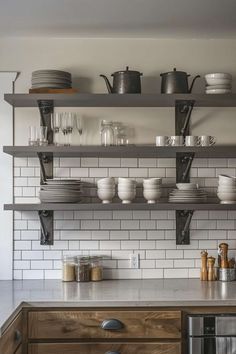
<point>183,220</point>
<point>183,111</point>
<point>46,223</point>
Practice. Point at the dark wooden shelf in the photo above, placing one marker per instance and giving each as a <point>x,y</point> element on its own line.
<point>221,151</point>
<point>164,205</point>
<point>116,100</point>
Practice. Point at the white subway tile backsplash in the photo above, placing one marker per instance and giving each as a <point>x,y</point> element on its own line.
<point>117,234</point>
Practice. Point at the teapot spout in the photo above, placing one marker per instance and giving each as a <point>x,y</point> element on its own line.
<point>109,87</point>
<point>191,87</point>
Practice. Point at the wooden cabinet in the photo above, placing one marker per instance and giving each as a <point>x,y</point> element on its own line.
<point>88,324</point>
<point>12,337</point>
<point>104,331</point>
<point>103,348</point>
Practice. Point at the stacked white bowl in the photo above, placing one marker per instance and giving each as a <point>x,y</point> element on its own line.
<point>152,189</point>
<point>126,190</point>
<point>106,189</point>
<point>227,189</point>
<point>218,83</point>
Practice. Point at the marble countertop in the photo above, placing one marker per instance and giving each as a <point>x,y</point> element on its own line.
<point>111,293</point>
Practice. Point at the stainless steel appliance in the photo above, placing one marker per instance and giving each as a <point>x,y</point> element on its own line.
<point>212,334</point>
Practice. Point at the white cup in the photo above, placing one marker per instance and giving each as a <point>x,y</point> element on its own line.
<point>191,140</point>
<point>207,140</point>
<point>162,140</point>
<point>176,140</point>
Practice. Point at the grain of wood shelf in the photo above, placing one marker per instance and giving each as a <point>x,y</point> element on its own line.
<point>212,205</point>
<point>221,151</point>
<point>118,100</point>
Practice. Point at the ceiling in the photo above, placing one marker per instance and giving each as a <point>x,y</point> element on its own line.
<point>118,18</point>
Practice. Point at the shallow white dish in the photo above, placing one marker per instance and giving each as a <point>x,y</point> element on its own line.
<point>223,81</point>
<point>218,76</point>
<point>212,87</point>
<point>187,186</point>
<point>217,91</point>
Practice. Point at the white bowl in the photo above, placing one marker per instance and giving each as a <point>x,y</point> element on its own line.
<point>212,87</point>
<point>227,197</point>
<point>152,181</point>
<point>126,196</point>
<point>154,187</point>
<point>106,182</point>
<point>225,180</point>
<point>213,81</point>
<point>151,195</point>
<point>218,91</point>
<point>106,195</point>
<point>218,76</point>
<point>187,186</point>
<point>111,188</point>
<point>125,180</point>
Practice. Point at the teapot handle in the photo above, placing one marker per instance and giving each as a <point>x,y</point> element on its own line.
<point>191,87</point>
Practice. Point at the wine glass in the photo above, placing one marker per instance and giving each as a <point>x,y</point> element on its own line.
<point>79,126</point>
<point>56,125</point>
<point>69,126</point>
<point>64,127</point>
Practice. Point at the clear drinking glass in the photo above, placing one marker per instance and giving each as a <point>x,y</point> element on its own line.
<point>69,126</point>
<point>107,133</point>
<point>42,136</point>
<point>33,136</point>
<point>117,128</point>
<point>56,126</point>
<point>64,128</point>
<point>79,125</point>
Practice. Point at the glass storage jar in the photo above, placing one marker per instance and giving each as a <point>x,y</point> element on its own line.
<point>82,269</point>
<point>96,269</point>
<point>107,133</point>
<point>68,268</point>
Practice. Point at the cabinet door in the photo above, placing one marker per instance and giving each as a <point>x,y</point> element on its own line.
<point>12,337</point>
<point>19,350</point>
<point>105,348</point>
<point>118,324</point>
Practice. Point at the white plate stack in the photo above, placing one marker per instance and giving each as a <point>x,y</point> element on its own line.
<point>60,191</point>
<point>51,79</point>
<point>106,189</point>
<point>227,189</point>
<point>152,189</point>
<point>187,193</point>
<point>218,83</point>
<point>126,190</point>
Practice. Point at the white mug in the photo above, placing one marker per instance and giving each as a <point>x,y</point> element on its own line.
<point>191,140</point>
<point>162,140</point>
<point>176,140</point>
<point>207,140</point>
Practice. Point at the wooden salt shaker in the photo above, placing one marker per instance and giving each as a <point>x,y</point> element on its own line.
<point>211,270</point>
<point>204,276</point>
<point>224,263</point>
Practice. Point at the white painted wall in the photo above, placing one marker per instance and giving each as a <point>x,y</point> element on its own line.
<point>6,177</point>
<point>87,58</point>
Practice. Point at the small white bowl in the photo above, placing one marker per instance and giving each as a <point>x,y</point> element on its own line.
<point>154,187</point>
<point>227,197</point>
<point>106,195</point>
<point>214,81</point>
<point>218,76</point>
<point>151,195</point>
<point>225,180</point>
<point>187,186</point>
<point>218,91</point>
<point>126,196</point>
<point>152,181</point>
<point>125,180</point>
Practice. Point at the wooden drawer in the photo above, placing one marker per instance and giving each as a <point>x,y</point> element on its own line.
<point>12,337</point>
<point>101,348</point>
<point>87,324</point>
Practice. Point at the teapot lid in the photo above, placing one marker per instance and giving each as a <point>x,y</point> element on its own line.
<point>174,71</point>
<point>127,71</point>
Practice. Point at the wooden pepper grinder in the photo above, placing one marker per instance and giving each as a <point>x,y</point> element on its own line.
<point>204,276</point>
<point>211,270</point>
<point>224,263</point>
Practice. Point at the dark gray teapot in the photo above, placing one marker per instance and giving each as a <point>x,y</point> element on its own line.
<point>126,81</point>
<point>176,82</point>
